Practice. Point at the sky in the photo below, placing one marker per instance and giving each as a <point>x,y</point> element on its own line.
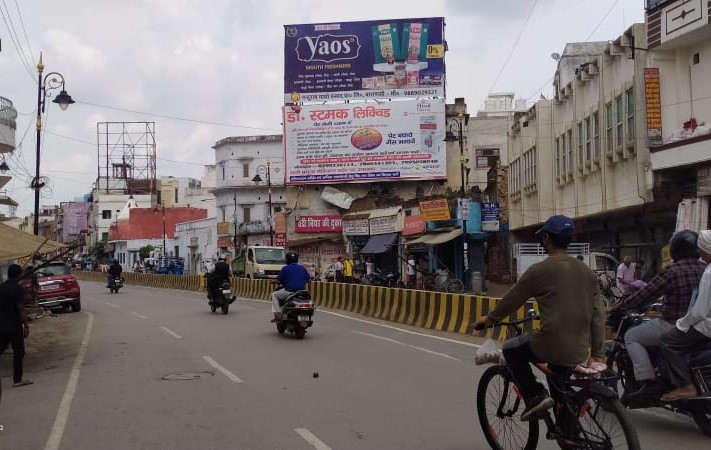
<point>203,70</point>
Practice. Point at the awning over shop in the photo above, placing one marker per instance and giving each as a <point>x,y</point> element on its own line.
<point>379,243</point>
<point>16,244</point>
<point>436,237</point>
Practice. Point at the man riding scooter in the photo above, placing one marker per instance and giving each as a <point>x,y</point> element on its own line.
<point>219,274</point>
<point>676,284</point>
<point>292,277</point>
<point>114,272</point>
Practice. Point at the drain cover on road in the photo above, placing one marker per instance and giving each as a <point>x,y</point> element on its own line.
<point>187,376</point>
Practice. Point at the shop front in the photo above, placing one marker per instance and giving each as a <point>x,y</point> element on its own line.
<point>357,234</point>
<point>383,245</point>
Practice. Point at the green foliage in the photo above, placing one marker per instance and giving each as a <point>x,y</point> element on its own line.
<point>98,251</point>
<point>145,251</point>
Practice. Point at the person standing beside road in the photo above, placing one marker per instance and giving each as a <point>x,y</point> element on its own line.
<point>348,270</point>
<point>369,266</point>
<point>14,326</point>
<point>625,275</point>
<point>339,270</point>
<point>411,274</point>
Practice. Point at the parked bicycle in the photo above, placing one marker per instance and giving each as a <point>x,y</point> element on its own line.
<point>443,280</point>
<point>587,413</point>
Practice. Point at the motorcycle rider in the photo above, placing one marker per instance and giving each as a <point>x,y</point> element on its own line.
<point>572,315</point>
<point>293,277</point>
<point>676,284</point>
<point>114,272</point>
<point>220,273</point>
<point>693,331</point>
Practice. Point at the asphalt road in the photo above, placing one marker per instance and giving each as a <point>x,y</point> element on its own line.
<point>99,382</point>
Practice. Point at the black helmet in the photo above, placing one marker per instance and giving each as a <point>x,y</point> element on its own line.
<point>683,245</point>
<point>292,257</point>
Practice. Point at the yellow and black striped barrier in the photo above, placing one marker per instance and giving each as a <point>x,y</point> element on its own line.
<point>438,311</point>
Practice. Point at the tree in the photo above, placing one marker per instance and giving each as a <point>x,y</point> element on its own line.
<point>98,251</point>
<point>145,251</point>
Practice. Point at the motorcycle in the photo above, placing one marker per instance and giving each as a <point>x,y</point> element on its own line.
<point>378,278</point>
<point>116,284</point>
<point>224,298</point>
<point>699,407</point>
<point>297,312</point>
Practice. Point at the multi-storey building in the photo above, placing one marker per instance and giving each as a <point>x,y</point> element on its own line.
<point>584,153</point>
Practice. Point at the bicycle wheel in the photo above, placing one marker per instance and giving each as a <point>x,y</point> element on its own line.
<point>454,286</point>
<point>499,408</point>
<point>604,424</point>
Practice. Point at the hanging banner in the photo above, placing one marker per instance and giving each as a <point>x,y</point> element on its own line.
<point>365,142</point>
<point>363,60</point>
<point>414,224</point>
<point>490,216</point>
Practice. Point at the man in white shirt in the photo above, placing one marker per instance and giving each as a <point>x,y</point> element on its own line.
<point>625,275</point>
<point>692,331</point>
<point>411,277</point>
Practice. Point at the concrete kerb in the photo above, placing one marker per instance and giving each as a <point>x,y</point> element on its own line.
<point>425,309</point>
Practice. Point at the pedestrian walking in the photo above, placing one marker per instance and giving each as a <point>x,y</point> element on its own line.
<point>348,270</point>
<point>14,326</point>
<point>411,274</point>
<point>339,270</point>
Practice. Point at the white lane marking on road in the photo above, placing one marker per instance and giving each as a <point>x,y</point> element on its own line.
<point>234,378</point>
<point>432,352</point>
<point>402,330</point>
<point>140,316</point>
<point>113,305</point>
<point>171,332</point>
<point>309,437</point>
<point>60,421</point>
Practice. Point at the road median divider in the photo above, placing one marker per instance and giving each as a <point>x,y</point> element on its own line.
<point>437,311</point>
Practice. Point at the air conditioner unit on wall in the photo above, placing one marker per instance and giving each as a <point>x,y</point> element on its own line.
<point>616,50</point>
<point>593,69</point>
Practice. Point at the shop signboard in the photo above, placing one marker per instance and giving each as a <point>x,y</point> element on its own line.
<point>414,224</point>
<point>280,222</point>
<point>474,218</point>
<point>363,60</point>
<point>224,228</point>
<point>490,216</point>
<point>433,210</point>
<point>653,106</point>
<point>358,142</point>
<point>319,224</point>
<point>383,225</point>
<point>356,227</point>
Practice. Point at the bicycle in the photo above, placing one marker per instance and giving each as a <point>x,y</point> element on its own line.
<point>442,280</point>
<point>583,407</point>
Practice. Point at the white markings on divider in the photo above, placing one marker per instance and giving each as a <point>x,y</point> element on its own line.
<point>113,305</point>
<point>60,421</point>
<point>234,378</point>
<point>432,352</point>
<point>140,316</point>
<point>312,439</point>
<point>171,332</point>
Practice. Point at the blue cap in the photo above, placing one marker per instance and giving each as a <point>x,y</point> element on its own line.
<point>558,224</point>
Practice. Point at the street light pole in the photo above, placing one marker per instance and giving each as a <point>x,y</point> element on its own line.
<point>63,100</point>
<point>234,224</point>
<point>257,179</point>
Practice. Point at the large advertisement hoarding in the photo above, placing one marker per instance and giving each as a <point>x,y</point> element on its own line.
<point>361,60</point>
<point>359,142</point>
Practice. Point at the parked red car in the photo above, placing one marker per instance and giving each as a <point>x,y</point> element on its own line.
<point>56,287</point>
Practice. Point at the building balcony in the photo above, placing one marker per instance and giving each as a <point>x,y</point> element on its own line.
<point>687,152</point>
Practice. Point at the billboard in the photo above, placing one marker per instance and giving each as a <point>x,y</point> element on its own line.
<point>358,142</point>
<point>361,60</point>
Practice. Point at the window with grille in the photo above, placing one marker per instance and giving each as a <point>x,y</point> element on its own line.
<point>486,157</point>
<point>569,142</point>
<point>608,127</point>
<point>581,145</point>
<point>247,213</point>
<point>619,120</point>
<point>630,114</point>
<point>245,170</point>
<point>557,157</point>
<point>596,136</point>
<point>588,140</point>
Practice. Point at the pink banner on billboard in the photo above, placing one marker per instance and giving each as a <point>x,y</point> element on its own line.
<point>357,142</point>
<point>319,224</point>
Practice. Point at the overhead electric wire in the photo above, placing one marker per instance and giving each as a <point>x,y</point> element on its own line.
<point>24,31</point>
<point>513,47</point>
<point>14,38</point>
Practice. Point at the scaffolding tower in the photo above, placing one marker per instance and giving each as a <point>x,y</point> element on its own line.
<point>126,157</point>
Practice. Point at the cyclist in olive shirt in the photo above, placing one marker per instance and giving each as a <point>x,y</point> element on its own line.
<point>572,315</point>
